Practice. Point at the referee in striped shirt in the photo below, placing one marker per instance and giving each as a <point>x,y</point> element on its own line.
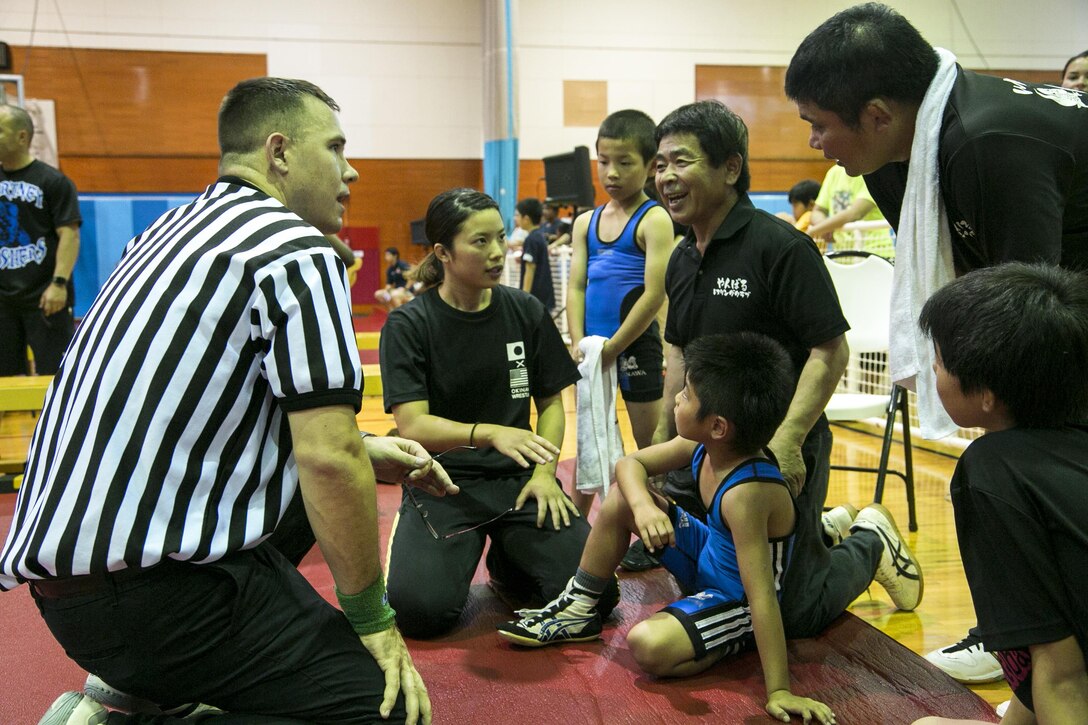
<point>214,382</point>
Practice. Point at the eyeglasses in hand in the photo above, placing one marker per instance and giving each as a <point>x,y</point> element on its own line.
<point>423,513</point>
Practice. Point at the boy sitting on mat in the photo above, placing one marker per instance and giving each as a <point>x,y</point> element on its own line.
<point>736,392</point>
<point>1011,347</point>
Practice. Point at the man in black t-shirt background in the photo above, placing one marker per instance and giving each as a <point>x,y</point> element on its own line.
<point>1012,162</point>
<point>39,243</point>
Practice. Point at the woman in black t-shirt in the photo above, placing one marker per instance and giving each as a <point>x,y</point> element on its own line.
<point>460,364</point>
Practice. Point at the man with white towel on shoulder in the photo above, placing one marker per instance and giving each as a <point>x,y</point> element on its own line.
<point>970,170</point>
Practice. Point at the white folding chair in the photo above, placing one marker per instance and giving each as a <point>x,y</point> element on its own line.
<point>863,282</point>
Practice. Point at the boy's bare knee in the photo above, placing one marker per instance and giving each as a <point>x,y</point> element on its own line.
<point>650,650</point>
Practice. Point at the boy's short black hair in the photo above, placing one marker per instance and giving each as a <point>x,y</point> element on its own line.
<point>746,378</point>
<point>1021,331</point>
<point>394,251</point>
<point>804,192</point>
<point>859,54</point>
<point>631,125</point>
<point>532,208</point>
<point>721,133</point>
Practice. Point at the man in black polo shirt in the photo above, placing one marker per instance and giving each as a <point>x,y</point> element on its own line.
<point>1010,164</point>
<point>740,269</point>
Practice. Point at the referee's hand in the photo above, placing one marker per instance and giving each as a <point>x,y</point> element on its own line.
<point>399,460</point>
<point>389,651</point>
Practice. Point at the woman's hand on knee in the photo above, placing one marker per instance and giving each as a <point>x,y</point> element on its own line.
<point>550,501</point>
<point>523,446</point>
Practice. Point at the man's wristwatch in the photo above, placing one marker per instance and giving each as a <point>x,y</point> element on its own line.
<point>61,281</point>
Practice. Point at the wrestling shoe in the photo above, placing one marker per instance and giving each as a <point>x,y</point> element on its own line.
<point>571,617</point>
<point>898,571</point>
<point>967,662</point>
<point>74,708</point>
<point>837,522</point>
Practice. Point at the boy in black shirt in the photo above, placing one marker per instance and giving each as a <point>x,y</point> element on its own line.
<point>536,271</point>
<point>1012,348</point>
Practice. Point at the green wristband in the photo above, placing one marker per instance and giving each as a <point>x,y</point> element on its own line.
<point>368,611</point>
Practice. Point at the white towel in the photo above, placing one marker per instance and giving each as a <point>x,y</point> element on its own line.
<point>599,441</point>
<point>923,257</point>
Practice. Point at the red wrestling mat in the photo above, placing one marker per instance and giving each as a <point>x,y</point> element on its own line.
<point>473,676</point>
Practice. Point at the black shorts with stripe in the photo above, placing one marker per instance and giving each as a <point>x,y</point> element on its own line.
<point>713,622</point>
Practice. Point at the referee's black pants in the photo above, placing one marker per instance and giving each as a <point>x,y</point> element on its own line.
<point>429,579</point>
<point>247,634</point>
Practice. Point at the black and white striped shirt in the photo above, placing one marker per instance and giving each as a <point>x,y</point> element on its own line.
<point>163,433</point>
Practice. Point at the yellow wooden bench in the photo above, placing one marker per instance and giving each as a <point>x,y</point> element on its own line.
<point>367,340</point>
<point>20,393</point>
<point>372,373</point>
<point>372,379</point>
<point>23,392</point>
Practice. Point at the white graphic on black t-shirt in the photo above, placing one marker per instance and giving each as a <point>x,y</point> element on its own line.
<point>1062,96</point>
<point>17,249</point>
<point>963,229</point>
<point>519,371</point>
<point>732,287</point>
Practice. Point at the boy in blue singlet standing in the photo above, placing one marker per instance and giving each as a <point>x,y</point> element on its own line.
<point>617,272</point>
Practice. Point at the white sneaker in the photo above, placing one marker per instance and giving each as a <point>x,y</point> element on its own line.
<point>102,692</point>
<point>837,522</point>
<point>105,694</point>
<point>967,662</point>
<point>74,708</point>
<point>898,571</point>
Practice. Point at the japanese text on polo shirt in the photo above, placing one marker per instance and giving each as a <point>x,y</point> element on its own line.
<point>732,287</point>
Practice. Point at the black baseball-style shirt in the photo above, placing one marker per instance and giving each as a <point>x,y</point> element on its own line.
<point>758,274</point>
<point>1013,169</point>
